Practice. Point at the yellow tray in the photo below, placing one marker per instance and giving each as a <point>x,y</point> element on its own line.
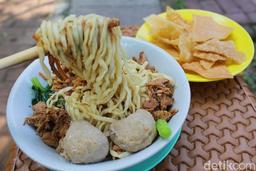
<point>239,35</point>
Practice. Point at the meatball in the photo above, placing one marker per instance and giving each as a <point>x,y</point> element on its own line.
<point>135,132</point>
<point>84,143</point>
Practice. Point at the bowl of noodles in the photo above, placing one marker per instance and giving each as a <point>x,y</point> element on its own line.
<point>95,100</point>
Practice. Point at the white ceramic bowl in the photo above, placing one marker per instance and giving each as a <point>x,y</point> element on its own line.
<point>19,107</point>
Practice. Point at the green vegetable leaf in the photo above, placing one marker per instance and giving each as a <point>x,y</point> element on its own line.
<point>163,128</point>
<point>36,83</point>
<point>41,93</point>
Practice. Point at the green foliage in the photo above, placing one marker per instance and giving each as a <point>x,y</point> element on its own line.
<point>179,4</point>
<point>250,75</point>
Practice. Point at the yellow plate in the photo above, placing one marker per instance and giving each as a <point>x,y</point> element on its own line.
<point>239,35</point>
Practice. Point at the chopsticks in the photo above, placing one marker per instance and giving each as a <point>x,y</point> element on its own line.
<point>32,53</point>
<point>19,57</point>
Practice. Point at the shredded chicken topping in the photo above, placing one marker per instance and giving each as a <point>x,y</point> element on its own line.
<point>51,124</point>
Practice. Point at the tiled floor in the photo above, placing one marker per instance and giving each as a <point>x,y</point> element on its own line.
<point>242,11</point>
<point>20,18</point>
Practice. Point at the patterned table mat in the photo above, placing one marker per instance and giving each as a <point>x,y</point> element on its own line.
<point>220,127</point>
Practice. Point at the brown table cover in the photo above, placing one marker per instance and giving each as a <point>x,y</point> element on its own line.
<point>220,127</point>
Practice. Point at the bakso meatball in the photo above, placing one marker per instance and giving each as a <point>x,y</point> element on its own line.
<point>84,143</point>
<point>135,132</point>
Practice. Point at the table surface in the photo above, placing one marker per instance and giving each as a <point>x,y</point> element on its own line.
<point>220,127</point>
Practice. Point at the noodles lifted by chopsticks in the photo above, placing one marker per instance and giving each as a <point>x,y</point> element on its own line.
<point>90,47</point>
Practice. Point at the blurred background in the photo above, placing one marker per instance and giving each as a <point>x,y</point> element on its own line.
<point>20,18</point>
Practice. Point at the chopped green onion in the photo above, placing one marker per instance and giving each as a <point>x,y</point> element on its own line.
<point>163,128</point>
<point>60,103</point>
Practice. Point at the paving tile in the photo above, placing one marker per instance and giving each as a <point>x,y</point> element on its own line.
<point>246,5</point>
<point>13,73</point>
<point>250,30</point>
<point>2,122</point>
<point>2,75</point>
<point>4,131</point>
<point>23,23</point>
<point>6,52</point>
<point>254,29</point>
<point>108,7</point>
<point>15,40</point>
<point>18,21</point>
<point>193,4</point>
<point>252,16</point>
<point>11,35</point>
<point>211,5</point>
<point>136,17</point>
<point>229,6</point>
<point>254,2</point>
<point>12,8</point>
<point>90,3</point>
<point>239,17</point>
<point>26,14</point>
<point>4,147</point>
<point>10,48</point>
<point>165,3</point>
<point>3,102</point>
<point>129,12</point>
<point>5,88</point>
